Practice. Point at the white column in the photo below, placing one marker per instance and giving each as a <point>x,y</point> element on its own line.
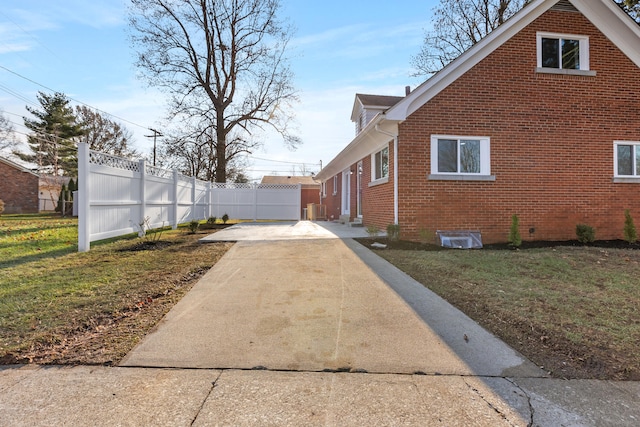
<point>84,221</point>
<point>174,225</point>
<point>143,195</point>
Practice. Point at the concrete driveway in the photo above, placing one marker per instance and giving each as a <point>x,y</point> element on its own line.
<point>293,296</point>
<point>297,327</point>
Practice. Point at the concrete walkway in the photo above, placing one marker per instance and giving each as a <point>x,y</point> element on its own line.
<point>295,326</point>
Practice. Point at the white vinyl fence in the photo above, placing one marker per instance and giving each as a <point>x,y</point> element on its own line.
<point>116,196</point>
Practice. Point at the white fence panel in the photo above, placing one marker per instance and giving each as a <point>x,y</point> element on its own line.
<point>256,201</point>
<point>117,196</point>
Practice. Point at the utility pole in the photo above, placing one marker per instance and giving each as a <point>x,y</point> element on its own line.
<point>155,134</point>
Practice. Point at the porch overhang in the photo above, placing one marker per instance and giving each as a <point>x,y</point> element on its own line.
<point>372,138</point>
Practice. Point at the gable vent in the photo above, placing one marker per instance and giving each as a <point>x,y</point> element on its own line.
<point>565,6</point>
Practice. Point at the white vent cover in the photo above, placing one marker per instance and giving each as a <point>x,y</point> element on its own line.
<point>460,239</point>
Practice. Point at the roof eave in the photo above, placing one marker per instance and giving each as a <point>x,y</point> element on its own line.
<point>364,144</point>
<point>456,68</point>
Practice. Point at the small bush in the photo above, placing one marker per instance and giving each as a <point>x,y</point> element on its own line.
<point>630,233</point>
<point>225,218</point>
<point>212,220</point>
<point>515,239</point>
<point>586,233</point>
<point>426,236</point>
<point>1,206</point>
<point>372,230</point>
<point>393,232</point>
<point>193,226</point>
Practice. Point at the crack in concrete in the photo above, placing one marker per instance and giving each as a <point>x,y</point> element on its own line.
<point>526,395</point>
<point>213,386</point>
<point>489,404</point>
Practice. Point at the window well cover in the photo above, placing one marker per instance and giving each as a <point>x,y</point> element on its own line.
<point>460,239</point>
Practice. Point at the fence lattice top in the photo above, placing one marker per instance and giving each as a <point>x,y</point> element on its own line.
<point>236,185</point>
<point>159,172</point>
<point>103,159</point>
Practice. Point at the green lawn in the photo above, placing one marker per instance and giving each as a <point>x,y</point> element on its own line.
<point>573,310</point>
<point>61,306</point>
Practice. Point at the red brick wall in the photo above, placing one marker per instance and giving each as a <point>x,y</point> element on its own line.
<point>18,190</point>
<point>551,144</point>
<point>378,198</point>
<point>309,195</point>
<point>333,201</point>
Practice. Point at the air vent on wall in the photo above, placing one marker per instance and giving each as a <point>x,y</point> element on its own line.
<point>564,5</point>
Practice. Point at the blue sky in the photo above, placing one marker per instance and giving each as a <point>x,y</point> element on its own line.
<point>339,48</point>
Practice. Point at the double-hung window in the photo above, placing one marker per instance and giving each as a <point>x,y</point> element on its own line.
<point>626,159</point>
<point>562,52</point>
<point>380,164</point>
<point>456,157</point>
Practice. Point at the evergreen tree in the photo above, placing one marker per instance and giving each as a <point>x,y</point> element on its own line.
<point>53,138</point>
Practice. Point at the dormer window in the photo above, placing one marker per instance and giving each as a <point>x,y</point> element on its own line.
<point>562,53</point>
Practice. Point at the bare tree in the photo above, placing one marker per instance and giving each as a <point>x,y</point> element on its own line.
<point>103,134</point>
<point>194,153</point>
<point>458,25</point>
<point>632,7</point>
<point>221,60</point>
<point>7,138</point>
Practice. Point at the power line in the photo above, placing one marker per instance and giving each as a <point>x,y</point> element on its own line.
<point>72,99</point>
<point>283,161</point>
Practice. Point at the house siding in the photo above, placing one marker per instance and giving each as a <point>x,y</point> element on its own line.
<point>551,144</point>
<point>18,190</point>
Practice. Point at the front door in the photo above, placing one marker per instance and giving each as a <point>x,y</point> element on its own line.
<point>346,192</point>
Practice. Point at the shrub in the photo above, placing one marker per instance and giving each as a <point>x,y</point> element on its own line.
<point>515,239</point>
<point>393,232</point>
<point>225,218</point>
<point>193,226</point>
<point>586,233</point>
<point>211,220</point>
<point>372,230</point>
<point>426,236</point>
<point>1,206</point>
<point>630,233</point>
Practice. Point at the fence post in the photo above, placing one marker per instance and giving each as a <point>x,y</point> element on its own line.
<point>300,201</point>
<point>255,202</point>
<point>194,202</point>
<point>175,199</point>
<point>208,208</point>
<point>143,195</point>
<point>84,221</point>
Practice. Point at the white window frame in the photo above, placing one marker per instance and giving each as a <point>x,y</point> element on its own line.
<point>335,185</point>
<point>374,165</point>
<point>324,189</point>
<point>635,177</point>
<point>584,52</point>
<point>485,160</point>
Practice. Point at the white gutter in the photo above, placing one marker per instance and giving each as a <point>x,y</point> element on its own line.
<point>395,170</point>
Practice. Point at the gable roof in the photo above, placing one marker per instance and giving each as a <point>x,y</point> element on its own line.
<point>372,102</point>
<point>289,180</point>
<point>605,15</point>
<point>17,166</point>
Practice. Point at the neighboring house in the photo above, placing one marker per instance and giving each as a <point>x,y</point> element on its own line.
<point>541,119</point>
<point>50,187</point>
<point>310,191</point>
<point>18,188</point>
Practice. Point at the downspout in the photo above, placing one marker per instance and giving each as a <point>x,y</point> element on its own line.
<point>395,171</point>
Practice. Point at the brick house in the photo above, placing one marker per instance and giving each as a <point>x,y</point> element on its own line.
<point>19,188</point>
<point>541,119</point>
<point>310,189</point>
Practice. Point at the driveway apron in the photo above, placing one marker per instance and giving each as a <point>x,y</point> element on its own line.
<point>300,305</point>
